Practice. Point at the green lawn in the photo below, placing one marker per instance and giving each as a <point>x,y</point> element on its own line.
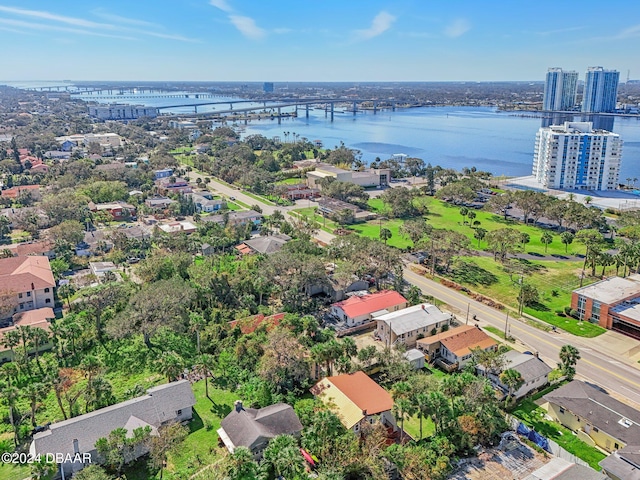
<point>325,223</point>
<point>181,150</point>
<point>496,331</point>
<point>555,280</point>
<point>444,215</point>
<point>290,181</point>
<point>372,229</point>
<point>9,471</point>
<point>259,198</point>
<point>412,427</point>
<point>201,446</point>
<point>533,416</point>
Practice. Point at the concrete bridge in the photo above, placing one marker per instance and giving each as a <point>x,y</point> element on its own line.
<point>329,106</point>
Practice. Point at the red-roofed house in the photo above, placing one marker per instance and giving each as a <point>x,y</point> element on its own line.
<point>359,309</point>
<point>14,192</point>
<point>26,283</point>
<point>39,318</point>
<point>42,247</point>
<point>40,168</point>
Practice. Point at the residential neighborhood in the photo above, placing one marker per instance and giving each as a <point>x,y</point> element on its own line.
<point>181,299</point>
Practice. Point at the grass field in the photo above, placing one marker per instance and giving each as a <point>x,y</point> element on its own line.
<point>533,416</point>
<point>555,280</point>
<point>412,427</point>
<point>444,215</point>
<point>290,181</point>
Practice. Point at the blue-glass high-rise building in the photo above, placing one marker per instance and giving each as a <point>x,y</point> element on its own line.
<point>600,90</point>
<point>560,89</point>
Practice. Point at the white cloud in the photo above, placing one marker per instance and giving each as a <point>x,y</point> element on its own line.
<point>630,32</point>
<point>222,5</point>
<point>119,19</point>
<point>247,27</point>
<point>78,22</point>
<point>380,24</point>
<point>457,28</point>
<point>54,28</point>
<point>560,30</point>
<point>281,31</point>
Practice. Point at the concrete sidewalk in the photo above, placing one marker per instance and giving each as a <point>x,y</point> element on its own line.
<point>618,346</point>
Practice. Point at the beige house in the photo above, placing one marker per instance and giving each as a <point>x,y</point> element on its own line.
<point>26,283</point>
<point>595,417</point>
<point>356,399</point>
<point>407,325</point>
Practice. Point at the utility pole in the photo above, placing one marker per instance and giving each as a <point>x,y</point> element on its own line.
<point>468,305</point>
<point>506,326</point>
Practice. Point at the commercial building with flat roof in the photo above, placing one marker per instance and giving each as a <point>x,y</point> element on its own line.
<point>613,303</point>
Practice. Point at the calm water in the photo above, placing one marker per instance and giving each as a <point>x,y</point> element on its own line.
<point>455,137</point>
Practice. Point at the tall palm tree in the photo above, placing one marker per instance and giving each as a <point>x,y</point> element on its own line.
<point>569,356</point>
<point>513,380</point>
<point>36,392</point>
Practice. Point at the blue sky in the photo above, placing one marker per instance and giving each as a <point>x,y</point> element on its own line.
<point>321,40</point>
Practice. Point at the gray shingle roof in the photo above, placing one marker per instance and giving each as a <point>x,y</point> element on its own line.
<point>252,428</point>
<point>159,405</point>
<point>529,366</point>
<point>624,464</point>
<point>599,409</point>
<point>268,244</point>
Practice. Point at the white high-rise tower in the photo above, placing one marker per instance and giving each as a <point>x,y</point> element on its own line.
<point>575,156</point>
<point>560,89</point>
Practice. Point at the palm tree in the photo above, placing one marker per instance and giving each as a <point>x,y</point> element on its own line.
<point>196,325</point>
<point>606,259</point>
<point>283,454</point>
<point>464,211</point>
<point>513,380</point>
<point>546,239</point>
<point>403,408</point>
<point>11,394</point>
<point>569,356</point>
<point>171,364</point>
<point>588,199</point>
<point>205,363</point>
<point>567,239</point>
<point>385,235</point>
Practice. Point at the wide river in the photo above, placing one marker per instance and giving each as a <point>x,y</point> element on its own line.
<point>453,137</point>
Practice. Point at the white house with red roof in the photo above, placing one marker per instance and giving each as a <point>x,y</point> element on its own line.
<point>26,283</point>
<point>359,309</point>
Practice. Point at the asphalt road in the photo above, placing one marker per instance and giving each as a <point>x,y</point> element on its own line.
<point>616,374</point>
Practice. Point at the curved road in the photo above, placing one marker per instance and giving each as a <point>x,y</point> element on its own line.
<point>618,375</point>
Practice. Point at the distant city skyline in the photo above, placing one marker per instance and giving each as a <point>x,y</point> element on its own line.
<point>258,41</point>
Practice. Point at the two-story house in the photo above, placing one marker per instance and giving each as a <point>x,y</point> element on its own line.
<point>406,326</point>
<point>359,309</point>
<point>26,283</point>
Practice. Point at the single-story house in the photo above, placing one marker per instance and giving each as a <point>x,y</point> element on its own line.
<point>99,269</point>
<point>158,202</point>
<point>253,428</point>
<point>183,226</point>
<point>14,193</point>
<point>117,210</point>
<point>171,402</point>
<point>534,372</point>
<point>265,245</point>
<point>356,399</point>
<point>623,464</point>
<point>452,349</point>
<point>42,247</point>
<point>235,218</point>
<point>358,309</point>
<point>597,418</point>
<point>406,325</point>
